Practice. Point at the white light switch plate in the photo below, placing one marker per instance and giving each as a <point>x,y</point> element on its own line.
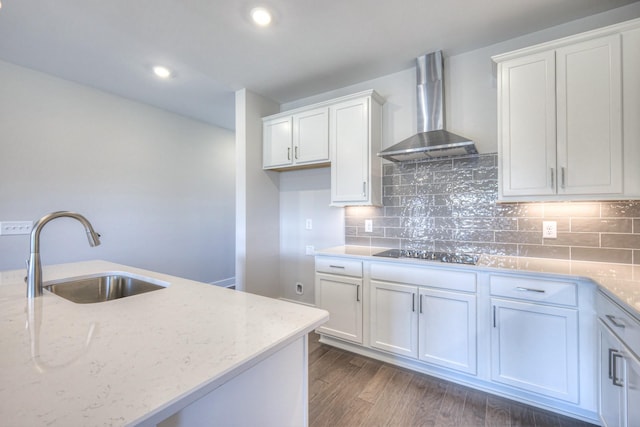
<point>8,228</point>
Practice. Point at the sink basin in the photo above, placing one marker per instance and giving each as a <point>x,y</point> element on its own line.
<point>103,287</point>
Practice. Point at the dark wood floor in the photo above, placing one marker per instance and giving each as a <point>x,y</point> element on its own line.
<point>348,390</point>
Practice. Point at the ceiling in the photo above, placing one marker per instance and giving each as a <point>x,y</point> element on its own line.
<point>313,46</point>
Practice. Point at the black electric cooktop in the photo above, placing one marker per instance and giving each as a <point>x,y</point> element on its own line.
<point>455,258</point>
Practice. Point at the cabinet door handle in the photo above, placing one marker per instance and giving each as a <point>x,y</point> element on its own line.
<point>413,302</point>
<point>611,363</point>
<point>420,304</point>
<point>296,152</point>
<point>615,355</point>
<point>521,289</point>
<point>613,320</point>
<point>336,266</point>
<point>494,316</point>
<point>288,153</point>
<point>358,293</point>
<point>562,177</point>
<point>364,188</point>
<point>553,184</point>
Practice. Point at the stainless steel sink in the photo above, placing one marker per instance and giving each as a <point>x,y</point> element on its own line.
<point>103,287</point>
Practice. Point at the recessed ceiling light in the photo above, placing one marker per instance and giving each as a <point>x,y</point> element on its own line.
<point>261,16</point>
<point>162,72</point>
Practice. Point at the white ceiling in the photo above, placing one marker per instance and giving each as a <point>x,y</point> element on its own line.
<point>312,47</point>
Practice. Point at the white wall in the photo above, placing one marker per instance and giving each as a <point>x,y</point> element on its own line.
<point>257,201</point>
<point>470,85</point>
<point>305,194</point>
<point>471,99</point>
<point>157,186</point>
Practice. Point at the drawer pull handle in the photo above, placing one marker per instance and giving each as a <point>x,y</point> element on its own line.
<point>337,266</point>
<point>613,320</point>
<point>540,291</point>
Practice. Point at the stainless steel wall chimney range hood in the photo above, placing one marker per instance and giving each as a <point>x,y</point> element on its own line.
<point>432,140</point>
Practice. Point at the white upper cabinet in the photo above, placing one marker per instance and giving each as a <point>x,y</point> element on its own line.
<point>560,118</point>
<point>589,108</point>
<point>356,170</point>
<point>311,137</point>
<point>528,125</point>
<point>277,142</point>
<point>344,133</point>
<point>297,140</point>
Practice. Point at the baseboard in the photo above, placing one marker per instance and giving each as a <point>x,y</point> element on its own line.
<point>225,283</point>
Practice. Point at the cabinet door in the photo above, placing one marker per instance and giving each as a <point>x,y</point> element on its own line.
<point>589,103</point>
<point>632,385</point>
<point>349,138</point>
<point>341,297</point>
<point>611,395</point>
<point>394,318</point>
<point>447,329</point>
<point>311,136</point>
<point>277,143</point>
<point>528,125</point>
<point>535,347</point>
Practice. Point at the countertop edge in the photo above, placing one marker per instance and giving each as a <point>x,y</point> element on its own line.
<point>180,402</point>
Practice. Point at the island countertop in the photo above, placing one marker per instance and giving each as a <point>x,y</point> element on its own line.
<point>135,359</point>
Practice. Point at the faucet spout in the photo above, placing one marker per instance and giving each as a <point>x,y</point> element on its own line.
<point>34,265</point>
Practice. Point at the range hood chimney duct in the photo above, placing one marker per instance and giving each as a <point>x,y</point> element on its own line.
<point>432,140</point>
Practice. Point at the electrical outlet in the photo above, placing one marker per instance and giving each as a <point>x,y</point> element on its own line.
<point>368,226</point>
<point>8,228</point>
<point>549,229</point>
<point>299,288</point>
<point>308,224</point>
<point>309,250</point>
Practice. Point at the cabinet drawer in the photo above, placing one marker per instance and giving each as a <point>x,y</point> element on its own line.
<point>619,321</point>
<point>424,276</point>
<point>345,267</point>
<point>526,288</point>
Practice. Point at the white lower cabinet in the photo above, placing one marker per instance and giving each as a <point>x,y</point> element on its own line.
<point>434,325</point>
<point>534,336</point>
<point>339,291</point>
<point>535,347</point>
<point>447,329</point>
<point>527,336</point>
<point>619,366</point>
<point>619,383</point>
<point>394,319</point>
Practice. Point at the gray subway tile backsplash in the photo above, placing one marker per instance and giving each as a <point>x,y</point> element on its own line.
<point>451,205</point>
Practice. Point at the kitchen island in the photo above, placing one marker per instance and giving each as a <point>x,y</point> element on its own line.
<point>189,354</point>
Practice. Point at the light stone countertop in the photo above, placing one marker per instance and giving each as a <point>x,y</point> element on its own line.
<point>619,281</point>
<point>135,359</point>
